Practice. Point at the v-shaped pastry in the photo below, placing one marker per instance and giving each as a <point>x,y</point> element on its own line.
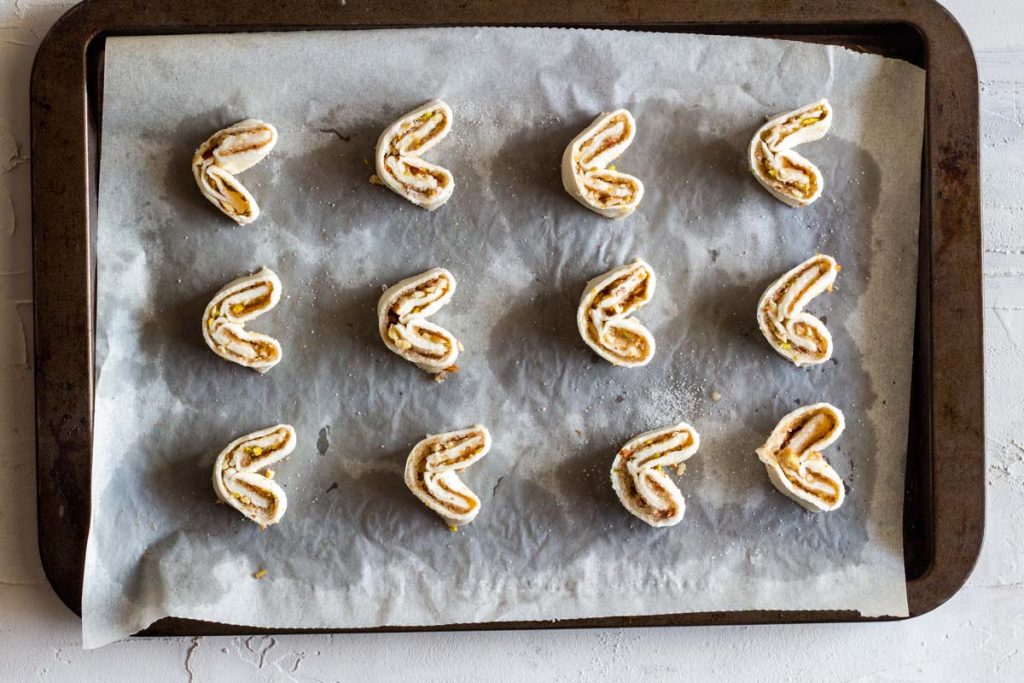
<point>400,149</point>
<point>587,171</point>
<point>224,155</point>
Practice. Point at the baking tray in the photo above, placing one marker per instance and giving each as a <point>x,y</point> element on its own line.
<point>945,478</point>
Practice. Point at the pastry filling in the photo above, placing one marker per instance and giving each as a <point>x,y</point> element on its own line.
<point>662,506</point>
<point>609,189</point>
<point>454,450</point>
<point>244,348</point>
<point>257,449</point>
<point>785,175</point>
<point>417,177</point>
<point>620,342</point>
<point>242,303</point>
<point>259,502</point>
<point>413,340</point>
<point>776,136</point>
<point>456,501</point>
<point>625,294</point>
<point>236,143</point>
<point>615,131</point>
<point>226,191</point>
<point>437,485</point>
<point>422,343</point>
<point>414,300</point>
<point>661,447</point>
<point>415,134</point>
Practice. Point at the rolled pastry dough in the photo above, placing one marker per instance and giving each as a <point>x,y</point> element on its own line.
<point>793,332</point>
<point>402,314</point>
<point>587,173</point>
<point>787,175</point>
<point>242,480</point>
<point>400,149</point>
<point>792,456</point>
<point>236,304</point>
<point>432,472</point>
<point>641,483</point>
<point>224,155</point>
<point>603,317</point>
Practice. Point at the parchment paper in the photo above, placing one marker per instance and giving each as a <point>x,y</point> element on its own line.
<point>356,548</point>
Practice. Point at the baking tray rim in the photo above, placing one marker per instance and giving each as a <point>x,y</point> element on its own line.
<point>84,28</point>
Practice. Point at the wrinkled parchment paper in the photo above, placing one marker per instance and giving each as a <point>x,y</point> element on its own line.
<point>356,548</point>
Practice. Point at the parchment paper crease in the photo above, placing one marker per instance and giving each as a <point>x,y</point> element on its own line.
<point>356,548</point>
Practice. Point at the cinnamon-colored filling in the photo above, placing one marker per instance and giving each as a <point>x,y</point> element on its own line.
<point>772,310</point>
<point>261,350</point>
<point>633,494</point>
<point>794,453</point>
<point>245,307</point>
<point>663,438</point>
<point>432,290</point>
<point>415,126</point>
<point>587,154</point>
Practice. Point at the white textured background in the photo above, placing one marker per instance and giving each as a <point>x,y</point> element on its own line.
<point>976,636</point>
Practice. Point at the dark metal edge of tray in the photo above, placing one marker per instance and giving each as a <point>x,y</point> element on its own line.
<point>944,513</point>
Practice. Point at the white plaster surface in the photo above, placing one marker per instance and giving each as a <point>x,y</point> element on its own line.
<point>977,636</point>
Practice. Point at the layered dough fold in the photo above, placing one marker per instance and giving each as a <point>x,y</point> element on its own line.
<point>224,155</point>
<point>640,481</point>
<point>793,332</point>
<point>604,317</point>
<point>792,456</point>
<point>787,175</point>
<point>402,313</point>
<point>242,479</point>
<point>432,472</point>
<point>399,161</point>
<point>587,173</point>
<point>236,304</point>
